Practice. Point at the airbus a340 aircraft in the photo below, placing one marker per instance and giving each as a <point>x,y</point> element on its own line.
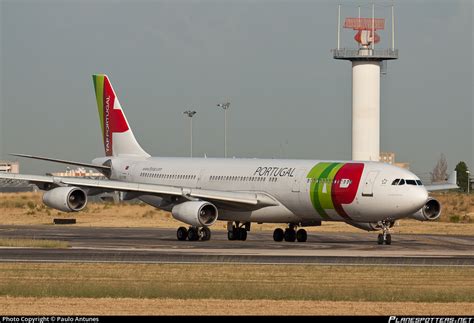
<point>200,191</point>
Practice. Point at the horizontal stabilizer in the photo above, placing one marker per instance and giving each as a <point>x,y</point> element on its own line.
<point>62,161</point>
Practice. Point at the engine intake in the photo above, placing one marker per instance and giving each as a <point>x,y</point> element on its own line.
<point>195,213</point>
<point>66,199</point>
<point>429,212</point>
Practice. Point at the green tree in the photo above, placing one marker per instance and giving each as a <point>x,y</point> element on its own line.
<point>461,169</point>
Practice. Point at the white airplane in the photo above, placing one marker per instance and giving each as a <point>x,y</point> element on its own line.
<point>200,191</point>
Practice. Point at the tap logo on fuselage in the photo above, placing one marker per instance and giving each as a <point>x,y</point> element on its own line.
<point>332,185</point>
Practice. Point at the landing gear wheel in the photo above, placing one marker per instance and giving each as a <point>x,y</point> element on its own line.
<point>380,238</point>
<point>193,234</point>
<point>242,234</point>
<point>278,235</point>
<point>236,231</point>
<point>388,239</point>
<point>290,235</point>
<point>205,233</point>
<point>301,235</point>
<point>182,233</point>
<point>232,235</point>
<point>385,236</point>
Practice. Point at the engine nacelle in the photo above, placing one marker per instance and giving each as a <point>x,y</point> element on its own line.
<point>195,213</point>
<point>66,199</point>
<point>429,212</point>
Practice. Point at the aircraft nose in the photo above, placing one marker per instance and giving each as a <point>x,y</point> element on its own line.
<point>420,196</point>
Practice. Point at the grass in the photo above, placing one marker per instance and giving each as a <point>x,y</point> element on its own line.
<point>33,243</point>
<point>456,207</point>
<point>21,306</point>
<point>232,281</point>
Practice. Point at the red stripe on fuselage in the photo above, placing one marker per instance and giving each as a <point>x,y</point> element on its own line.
<point>345,194</point>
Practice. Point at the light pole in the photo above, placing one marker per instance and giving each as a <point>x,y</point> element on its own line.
<point>190,114</point>
<point>468,182</point>
<point>225,106</point>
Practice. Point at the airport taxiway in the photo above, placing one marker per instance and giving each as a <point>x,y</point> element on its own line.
<point>145,245</point>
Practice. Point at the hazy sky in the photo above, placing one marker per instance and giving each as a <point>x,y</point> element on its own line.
<point>270,59</point>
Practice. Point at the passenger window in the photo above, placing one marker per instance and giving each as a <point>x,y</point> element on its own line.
<point>402,182</point>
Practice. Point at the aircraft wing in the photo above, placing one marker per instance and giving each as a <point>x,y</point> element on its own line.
<point>449,185</point>
<point>252,200</point>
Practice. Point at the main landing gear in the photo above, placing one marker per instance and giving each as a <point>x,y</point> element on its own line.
<point>237,231</point>
<point>193,234</point>
<point>290,234</point>
<point>385,237</point>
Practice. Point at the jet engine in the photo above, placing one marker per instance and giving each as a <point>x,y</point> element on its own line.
<point>195,213</point>
<point>429,212</point>
<point>66,199</point>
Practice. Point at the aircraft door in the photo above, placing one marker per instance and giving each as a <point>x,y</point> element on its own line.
<point>200,178</point>
<point>368,188</point>
<point>125,172</point>
<point>298,181</point>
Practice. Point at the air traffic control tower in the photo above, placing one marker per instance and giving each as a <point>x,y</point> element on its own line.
<point>367,60</point>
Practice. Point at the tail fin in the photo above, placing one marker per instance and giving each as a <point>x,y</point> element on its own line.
<point>117,134</point>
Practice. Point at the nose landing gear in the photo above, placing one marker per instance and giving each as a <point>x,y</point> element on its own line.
<point>385,237</point>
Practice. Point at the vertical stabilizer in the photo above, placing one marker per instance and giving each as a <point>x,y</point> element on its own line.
<point>117,134</point>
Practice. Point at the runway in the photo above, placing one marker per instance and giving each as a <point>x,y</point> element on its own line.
<point>147,245</point>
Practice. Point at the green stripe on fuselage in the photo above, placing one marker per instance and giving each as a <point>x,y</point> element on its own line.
<point>322,176</point>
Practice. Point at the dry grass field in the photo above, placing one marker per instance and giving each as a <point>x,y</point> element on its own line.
<point>169,306</point>
<point>27,208</point>
<point>232,289</point>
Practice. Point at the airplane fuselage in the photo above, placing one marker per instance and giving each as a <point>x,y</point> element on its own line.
<point>306,190</point>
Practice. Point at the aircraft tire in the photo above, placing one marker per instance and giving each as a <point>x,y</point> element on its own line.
<point>182,233</point>
<point>301,235</point>
<point>380,238</point>
<point>278,235</point>
<point>290,235</point>
<point>242,234</point>
<point>232,235</point>
<point>205,234</point>
<point>193,234</point>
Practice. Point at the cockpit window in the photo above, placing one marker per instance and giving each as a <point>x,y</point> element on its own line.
<point>402,182</point>
<point>419,182</point>
<point>395,182</point>
<point>411,182</point>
